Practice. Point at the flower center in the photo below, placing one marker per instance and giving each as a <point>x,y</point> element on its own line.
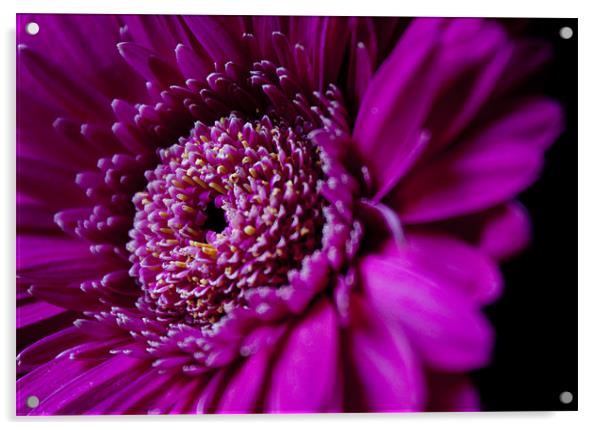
<point>235,206</point>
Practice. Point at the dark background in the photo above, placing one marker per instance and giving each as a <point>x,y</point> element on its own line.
<point>536,318</point>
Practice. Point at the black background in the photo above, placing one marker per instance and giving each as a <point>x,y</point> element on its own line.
<point>536,318</point>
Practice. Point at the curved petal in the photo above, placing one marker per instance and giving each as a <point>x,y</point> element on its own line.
<point>68,90</point>
<point>501,232</point>
<point>452,393</point>
<point>444,324</point>
<point>493,165</point>
<point>242,394</point>
<point>305,375</point>
<point>387,129</point>
<point>82,393</point>
<point>46,379</point>
<point>383,374</point>
<point>214,36</point>
<point>448,261</point>
<point>48,348</point>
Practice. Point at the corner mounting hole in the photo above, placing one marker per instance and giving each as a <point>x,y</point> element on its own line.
<point>566,32</point>
<point>216,218</point>
<point>566,397</point>
<point>32,402</point>
<point>32,28</point>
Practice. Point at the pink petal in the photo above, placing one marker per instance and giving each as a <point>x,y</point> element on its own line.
<point>304,377</point>
<point>387,130</point>
<point>444,325</point>
<point>244,389</point>
<point>79,394</point>
<point>384,373</point>
<point>501,232</point>
<point>491,166</point>
<point>48,348</point>
<point>47,379</point>
<point>35,312</point>
<point>452,393</point>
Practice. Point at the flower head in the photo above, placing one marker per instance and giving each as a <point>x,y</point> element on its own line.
<point>267,214</point>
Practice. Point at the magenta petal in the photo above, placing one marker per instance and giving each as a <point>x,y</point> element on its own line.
<point>213,34</point>
<point>192,65</point>
<point>492,166</point>
<point>444,325</point>
<point>474,57</point>
<point>243,391</point>
<point>47,379</point>
<point>48,348</point>
<point>82,393</point>
<point>161,33</point>
<point>138,395</point>
<point>304,377</point>
<point>35,312</point>
<point>68,90</point>
<point>388,126</point>
<point>452,393</point>
<point>331,48</point>
<point>467,270</point>
<point>34,251</point>
<point>386,374</point>
<point>501,232</point>
<point>507,232</point>
<point>378,215</point>
<point>210,394</point>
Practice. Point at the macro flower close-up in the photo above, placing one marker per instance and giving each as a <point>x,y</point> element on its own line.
<point>268,214</point>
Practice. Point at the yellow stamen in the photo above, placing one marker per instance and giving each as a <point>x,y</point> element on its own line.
<point>217,187</point>
<point>200,182</point>
<point>188,180</point>
<point>205,248</point>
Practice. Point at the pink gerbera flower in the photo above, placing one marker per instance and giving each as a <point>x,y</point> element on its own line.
<point>267,214</point>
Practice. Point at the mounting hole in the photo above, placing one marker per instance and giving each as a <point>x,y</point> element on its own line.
<point>32,28</point>
<point>566,397</point>
<point>33,402</point>
<point>566,32</point>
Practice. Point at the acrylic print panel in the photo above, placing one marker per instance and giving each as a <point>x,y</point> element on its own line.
<point>295,214</point>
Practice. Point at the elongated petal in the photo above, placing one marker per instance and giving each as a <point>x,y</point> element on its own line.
<point>48,348</point>
<point>242,395</point>
<point>384,373</point>
<point>66,89</point>
<point>500,232</point>
<point>452,393</point>
<point>35,312</point>
<point>304,378</point>
<point>388,131</point>
<point>489,168</point>
<point>46,379</point>
<point>82,393</point>
<point>448,261</point>
<point>445,326</point>
<point>212,33</point>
